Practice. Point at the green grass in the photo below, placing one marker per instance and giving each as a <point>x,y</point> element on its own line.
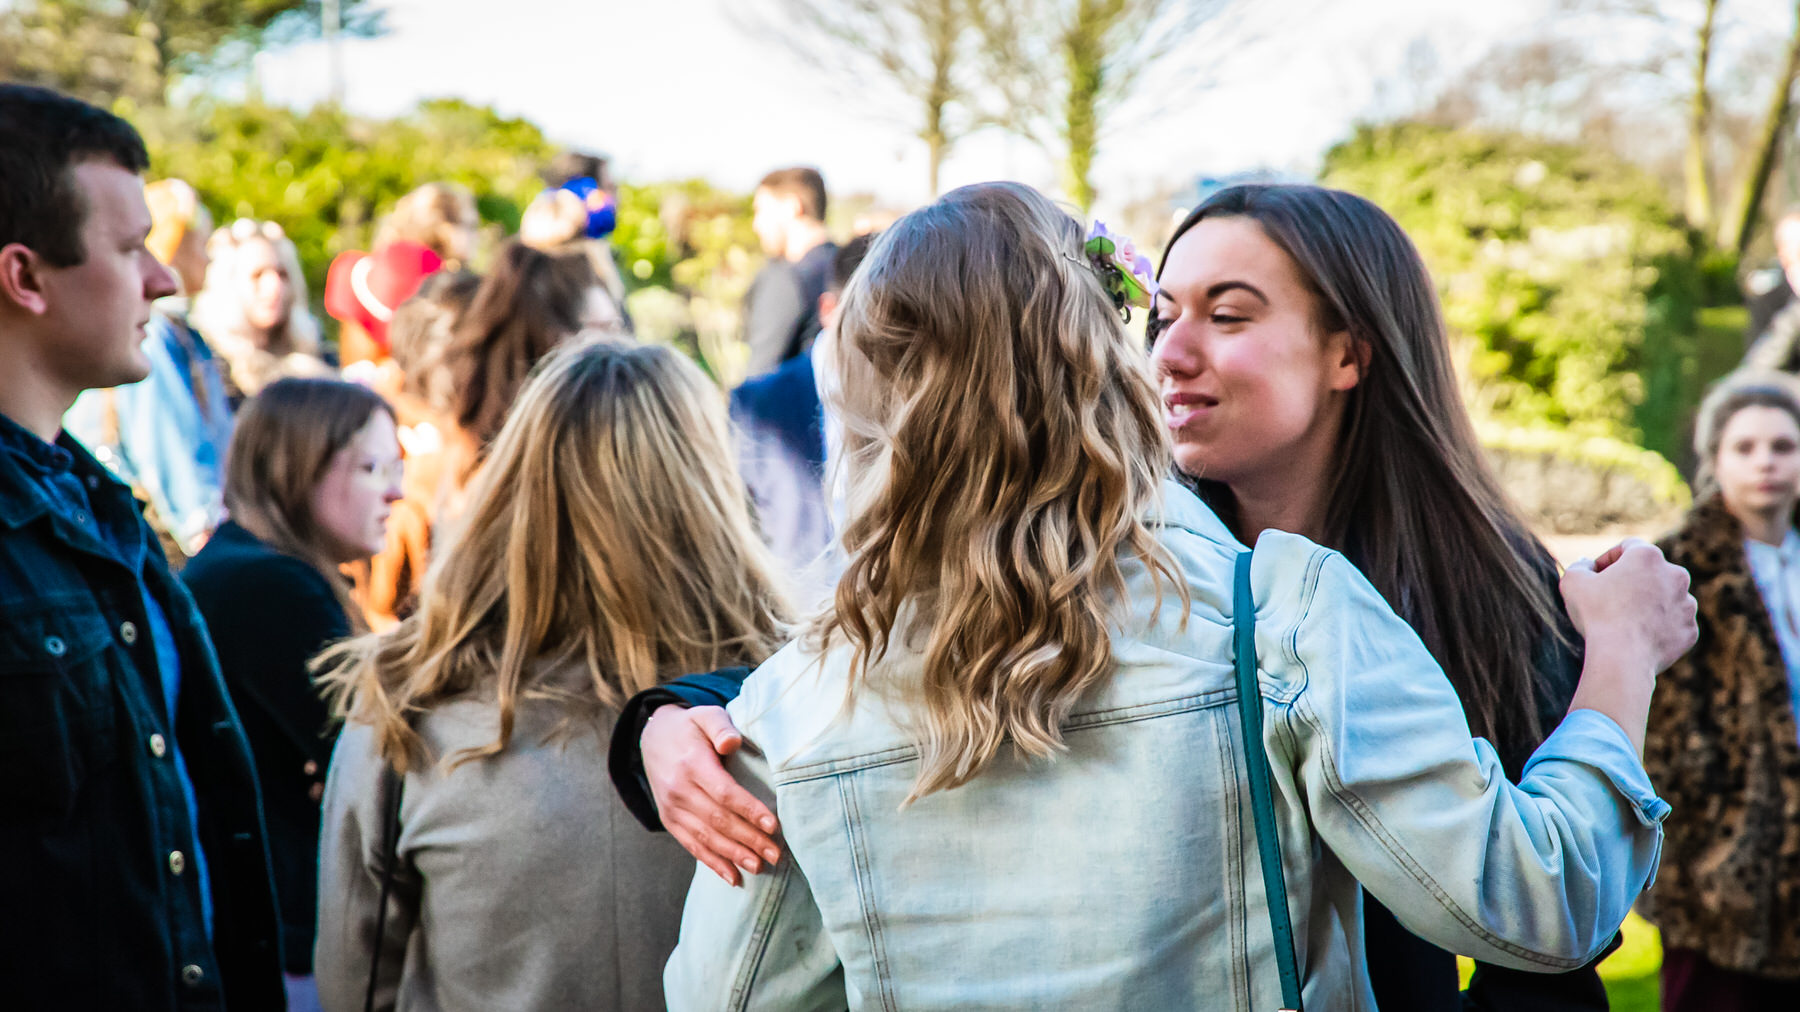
<point>1630,973</point>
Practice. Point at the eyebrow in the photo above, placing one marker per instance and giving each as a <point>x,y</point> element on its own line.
<point>1225,286</point>
<point>1215,291</point>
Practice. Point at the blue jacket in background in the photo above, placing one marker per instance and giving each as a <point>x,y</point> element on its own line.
<point>166,435</point>
<point>781,455</point>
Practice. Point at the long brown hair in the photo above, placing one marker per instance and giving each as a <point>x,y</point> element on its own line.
<point>1005,443</point>
<point>609,528</point>
<point>1411,500</point>
<point>283,443</point>
<point>527,305</point>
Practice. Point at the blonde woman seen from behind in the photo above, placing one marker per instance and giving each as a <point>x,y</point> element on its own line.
<point>607,547</point>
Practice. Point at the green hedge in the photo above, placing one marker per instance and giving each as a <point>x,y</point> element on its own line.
<point>1566,269</point>
<point>327,177</point>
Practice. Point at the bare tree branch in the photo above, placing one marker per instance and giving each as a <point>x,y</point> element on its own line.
<point>922,50</point>
<point>1063,68</point>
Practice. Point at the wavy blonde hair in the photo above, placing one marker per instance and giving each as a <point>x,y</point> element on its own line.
<point>609,528</point>
<point>1003,444</point>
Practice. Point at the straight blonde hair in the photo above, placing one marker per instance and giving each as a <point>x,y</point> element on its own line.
<point>1003,445</point>
<point>608,528</point>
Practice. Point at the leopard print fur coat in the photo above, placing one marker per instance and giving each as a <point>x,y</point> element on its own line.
<point>1723,750</point>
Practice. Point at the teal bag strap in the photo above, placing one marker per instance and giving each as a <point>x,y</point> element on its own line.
<point>1262,800</point>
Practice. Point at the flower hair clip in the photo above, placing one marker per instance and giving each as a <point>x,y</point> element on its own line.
<point>1126,274</point>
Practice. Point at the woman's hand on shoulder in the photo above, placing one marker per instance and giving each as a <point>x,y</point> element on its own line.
<point>707,811</point>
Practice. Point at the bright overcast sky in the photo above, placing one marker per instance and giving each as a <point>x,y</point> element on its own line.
<point>673,88</point>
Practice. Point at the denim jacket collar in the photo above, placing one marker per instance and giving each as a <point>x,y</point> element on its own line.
<point>26,462</point>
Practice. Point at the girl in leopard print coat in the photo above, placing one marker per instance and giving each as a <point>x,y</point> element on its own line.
<point>1722,745</point>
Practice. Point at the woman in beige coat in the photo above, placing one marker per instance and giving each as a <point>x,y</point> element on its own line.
<point>607,547</point>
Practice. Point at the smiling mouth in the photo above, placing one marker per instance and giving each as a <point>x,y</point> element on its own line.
<point>1182,408</point>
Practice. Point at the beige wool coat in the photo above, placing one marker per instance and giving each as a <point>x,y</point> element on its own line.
<point>522,882</point>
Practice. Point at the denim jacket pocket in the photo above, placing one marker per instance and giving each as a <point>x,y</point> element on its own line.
<point>55,706</point>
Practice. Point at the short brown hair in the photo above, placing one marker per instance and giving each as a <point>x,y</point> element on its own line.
<point>43,136</point>
<point>801,183</point>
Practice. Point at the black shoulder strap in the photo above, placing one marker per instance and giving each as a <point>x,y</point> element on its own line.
<point>390,850</point>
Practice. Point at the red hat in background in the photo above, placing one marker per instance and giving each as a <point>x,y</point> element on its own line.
<point>366,288</point>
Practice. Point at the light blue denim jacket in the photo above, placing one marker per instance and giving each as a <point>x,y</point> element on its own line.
<point>1124,874</point>
<point>170,436</point>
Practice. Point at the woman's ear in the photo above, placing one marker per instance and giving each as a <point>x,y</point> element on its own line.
<point>1349,359</point>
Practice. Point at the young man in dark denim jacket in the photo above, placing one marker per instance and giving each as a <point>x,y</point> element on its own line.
<point>135,870</point>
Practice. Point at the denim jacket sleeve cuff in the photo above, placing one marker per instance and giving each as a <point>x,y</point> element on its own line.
<point>1595,740</point>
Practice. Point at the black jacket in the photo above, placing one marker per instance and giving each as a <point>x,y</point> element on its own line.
<point>781,310</point>
<point>97,910</point>
<point>269,614</point>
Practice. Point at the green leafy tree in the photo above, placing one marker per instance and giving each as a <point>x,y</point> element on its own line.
<point>1567,271</point>
<point>326,176</point>
<point>104,50</point>
<point>688,252</point>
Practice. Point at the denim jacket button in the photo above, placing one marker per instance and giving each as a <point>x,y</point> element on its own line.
<point>192,975</point>
<point>128,633</point>
<point>159,746</point>
<point>54,646</point>
<point>177,862</point>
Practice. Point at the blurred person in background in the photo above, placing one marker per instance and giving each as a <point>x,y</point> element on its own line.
<point>1771,291</point>
<point>607,547</point>
<point>315,465</point>
<point>362,291</point>
<point>785,445</point>
<point>166,436</point>
<point>579,211</point>
<point>1722,744</point>
<point>387,587</point>
<point>529,303</point>
<point>432,227</point>
<point>137,874</point>
<point>781,310</point>
<point>253,310</point>
<point>441,217</point>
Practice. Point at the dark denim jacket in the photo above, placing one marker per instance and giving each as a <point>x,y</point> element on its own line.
<point>101,904</point>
